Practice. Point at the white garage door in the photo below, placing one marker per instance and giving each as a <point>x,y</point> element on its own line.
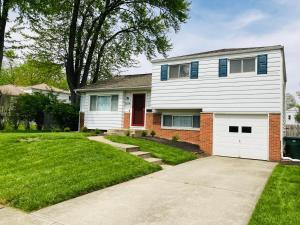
<point>244,136</point>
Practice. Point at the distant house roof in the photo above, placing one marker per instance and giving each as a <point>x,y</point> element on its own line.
<point>11,90</point>
<point>293,109</point>
<point>46,87</point>
<point>223,51</point>
<point>122,82</point>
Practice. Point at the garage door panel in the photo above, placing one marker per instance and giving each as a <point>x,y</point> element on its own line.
<point>238,144</point>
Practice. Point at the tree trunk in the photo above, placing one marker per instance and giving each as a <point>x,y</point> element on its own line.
<point>3,20</point>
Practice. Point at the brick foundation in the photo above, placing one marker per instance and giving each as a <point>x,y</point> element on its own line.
<point>202,137</point>
<point>126,120</point>
<point>274,137</point>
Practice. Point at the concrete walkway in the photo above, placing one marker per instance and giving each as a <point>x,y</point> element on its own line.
<point>208,191</point>
<point>131,149</point>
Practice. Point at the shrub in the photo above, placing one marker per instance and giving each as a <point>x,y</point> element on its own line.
<point>152,133</point>
<point>84,129</point>
<point>97,131</point>
<point>65,115</point>
<point>144,133</point>
<point>175,138</point>
<point>2,125</point>
<point>56,130</point>
<point>67,129</point>
<point>28,108</point>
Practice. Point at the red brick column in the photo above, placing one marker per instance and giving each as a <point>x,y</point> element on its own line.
<point>206,133</point>
<point>274,137</point>
<point>126,120</point>
<point>81,120</point>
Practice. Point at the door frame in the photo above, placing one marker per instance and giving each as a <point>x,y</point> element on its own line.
<point>241,113</point>
<point>131,109</point>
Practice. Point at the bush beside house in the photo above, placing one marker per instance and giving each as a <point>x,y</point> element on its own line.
<point>43,109</point>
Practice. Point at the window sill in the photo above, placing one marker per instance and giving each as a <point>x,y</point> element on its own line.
<point>180,128</point>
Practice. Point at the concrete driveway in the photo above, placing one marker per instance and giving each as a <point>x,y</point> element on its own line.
<point>208,191</point>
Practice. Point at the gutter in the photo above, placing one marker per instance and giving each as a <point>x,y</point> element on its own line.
<point>110,89</point>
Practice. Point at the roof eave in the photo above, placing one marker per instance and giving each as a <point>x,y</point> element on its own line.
<point>112,89</point>
<point>200,55</point>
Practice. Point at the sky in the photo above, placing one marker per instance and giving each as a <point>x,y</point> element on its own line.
<point>216,24</point>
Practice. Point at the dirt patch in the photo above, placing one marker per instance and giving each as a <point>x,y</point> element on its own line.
<point>29,140</point>
<point>178,144</point>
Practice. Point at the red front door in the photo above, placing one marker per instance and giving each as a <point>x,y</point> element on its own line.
<point>138,110</point>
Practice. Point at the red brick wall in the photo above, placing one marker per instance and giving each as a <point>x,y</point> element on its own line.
<point>274,137</point>
<point>126,120</point>
<point>202,137</point>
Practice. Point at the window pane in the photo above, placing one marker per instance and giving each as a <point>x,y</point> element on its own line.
<point>104,103</point>
<point>246,129</point>
<point>114,102</point>
<point>182,121</point>
<point>174,71</point>
<point>233,129</point>
<point>235,66</point>
<point>167,121</point>
<point>184,70</point>
<point>249,65</point>
<point>93,103</point>
<point>196,121</point>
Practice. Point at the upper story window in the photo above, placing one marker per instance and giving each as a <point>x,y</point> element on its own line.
<point>242,65</point>
<point>179,71</point>
<point>104,103</point>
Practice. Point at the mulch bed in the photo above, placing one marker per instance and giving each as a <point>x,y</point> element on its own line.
<point>178,144</point>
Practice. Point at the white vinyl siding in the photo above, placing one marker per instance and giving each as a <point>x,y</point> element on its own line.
<point>103,120</point>
<point>235,93</point>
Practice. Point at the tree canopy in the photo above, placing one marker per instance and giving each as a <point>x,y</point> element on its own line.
<point>95,38</point>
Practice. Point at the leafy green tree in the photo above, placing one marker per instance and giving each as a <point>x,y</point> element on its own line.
<point>35,71</point>
<point>297,117</point>
<point>95,38</point>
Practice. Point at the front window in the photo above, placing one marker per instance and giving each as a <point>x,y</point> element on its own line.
<point>242,65</point>
<point>181,121</point>
<point>104,103</point>
<point>179,71</point>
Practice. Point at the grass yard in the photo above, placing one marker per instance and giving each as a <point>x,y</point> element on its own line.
<point>168,154</point>
<point>41,169</point>
<point>280,201</point>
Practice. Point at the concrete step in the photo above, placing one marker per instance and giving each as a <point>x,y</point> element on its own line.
<point>154,160</point>
<point>132,149</point>
<point>142,154</point>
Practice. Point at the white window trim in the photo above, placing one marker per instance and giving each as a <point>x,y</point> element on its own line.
<point>242,64</point>
<point>179,128</point>
<point>103,95</point>
<point>179,71</point>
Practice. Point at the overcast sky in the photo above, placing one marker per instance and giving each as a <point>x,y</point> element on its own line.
<point>218,24</point>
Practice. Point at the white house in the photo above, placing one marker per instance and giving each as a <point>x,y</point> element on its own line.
<point>62,95</point>
<point>230,101</point>
<point>290,116</point>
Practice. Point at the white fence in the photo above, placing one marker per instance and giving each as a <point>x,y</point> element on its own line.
<point>292,130</point>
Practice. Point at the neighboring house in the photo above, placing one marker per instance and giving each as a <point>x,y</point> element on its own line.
<point>8,94</point>
<point>230,101</point>
<point>62,95</point>
<point>290,116</point>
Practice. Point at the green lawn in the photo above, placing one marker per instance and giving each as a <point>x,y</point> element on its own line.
<point>280,201</point>
<point>168,154</point>
<point>41,169</point>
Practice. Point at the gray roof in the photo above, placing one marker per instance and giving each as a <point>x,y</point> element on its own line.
<point>218,52</point>
<point>122,82</point>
